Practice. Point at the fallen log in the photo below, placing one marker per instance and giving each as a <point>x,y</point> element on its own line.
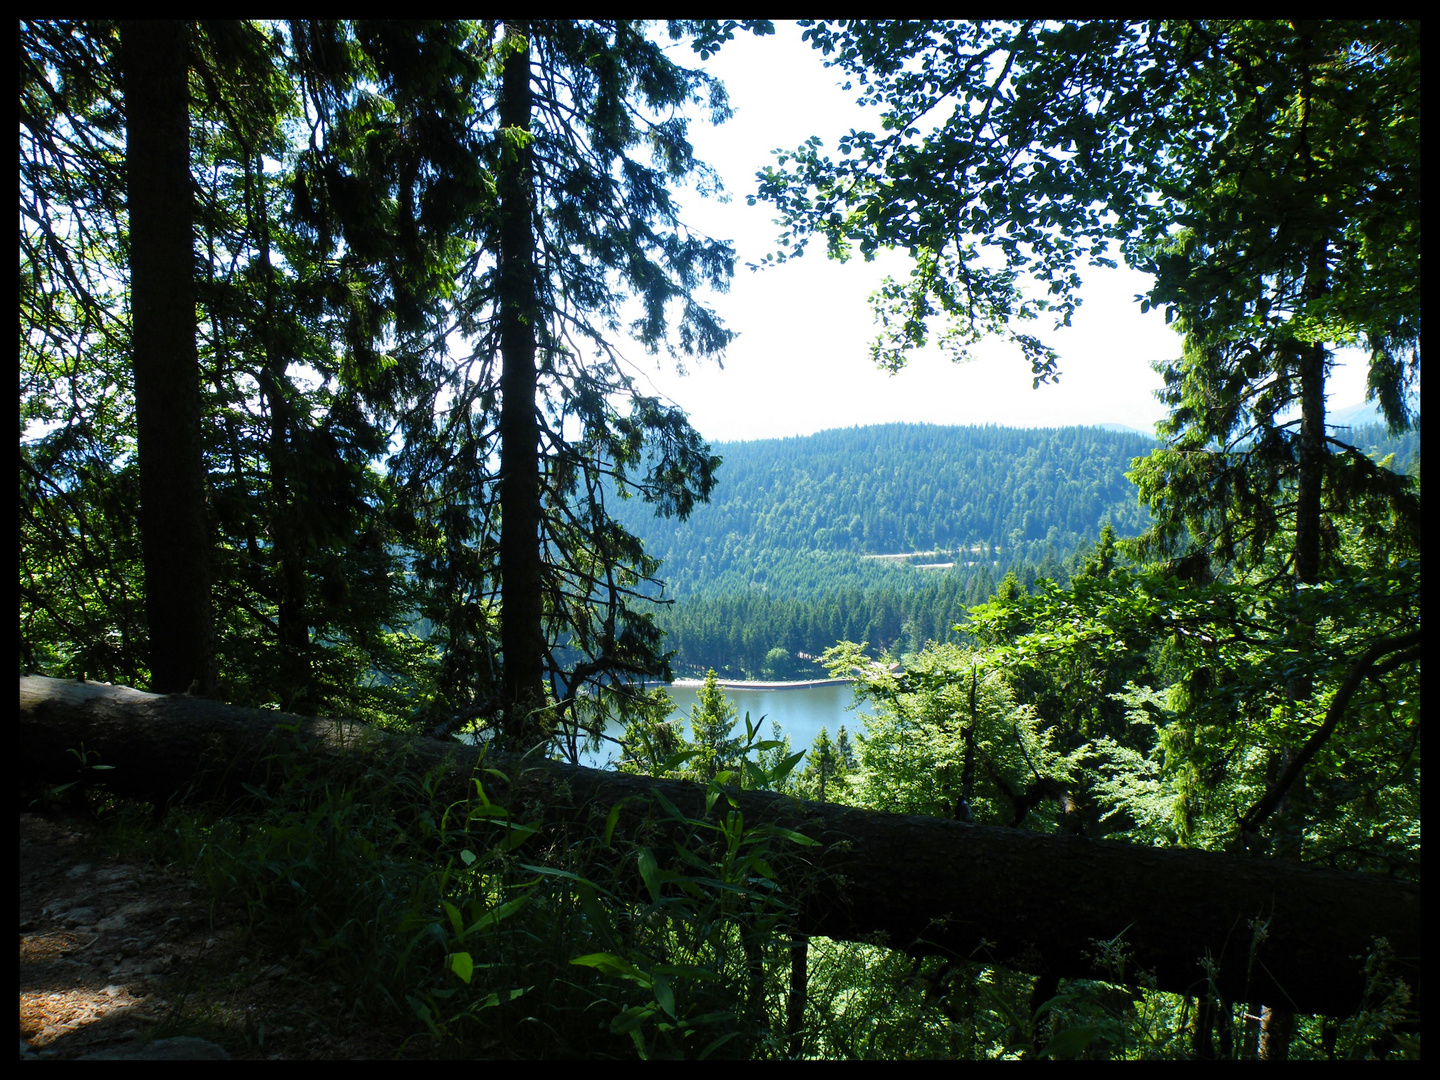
<point>1031,902</point>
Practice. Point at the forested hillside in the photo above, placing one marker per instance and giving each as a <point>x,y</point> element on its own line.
<point>786,555</point>
<point>882,534</point>
<point>972,493</point>
<point>1375,442</point>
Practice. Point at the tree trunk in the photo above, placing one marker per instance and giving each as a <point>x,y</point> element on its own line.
<point>522,634</point>
<point>1022,900</point>
<point>1278,1024</point>
<point>174,535</point>
<point>1277,1028</point>
<point>1311,453</point>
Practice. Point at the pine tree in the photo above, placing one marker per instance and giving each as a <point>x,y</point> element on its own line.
<point>712,726</point>
<point>174,532</point>
<point>81,571</point>
<point>582,224</point>
<point>1279,259</point>
<point>844,753</point>
<point>821,769</point>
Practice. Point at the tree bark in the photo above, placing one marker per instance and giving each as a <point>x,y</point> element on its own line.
<point>1027,901</point>
<point>1277,1028</point>
<point>174,534</point>
<point>1311,453</point>
<point>522,633</point>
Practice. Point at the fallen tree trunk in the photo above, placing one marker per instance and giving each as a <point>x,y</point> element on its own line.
<point>1031,902</point>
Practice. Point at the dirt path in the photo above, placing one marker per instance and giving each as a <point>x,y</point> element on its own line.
<point>115,954</point>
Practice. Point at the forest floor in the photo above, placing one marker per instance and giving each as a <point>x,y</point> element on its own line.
<point>115,953</point>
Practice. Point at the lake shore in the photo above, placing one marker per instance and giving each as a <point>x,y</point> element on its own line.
<point>691,684</point>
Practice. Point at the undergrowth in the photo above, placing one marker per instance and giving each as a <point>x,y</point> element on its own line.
<point>489,936</point>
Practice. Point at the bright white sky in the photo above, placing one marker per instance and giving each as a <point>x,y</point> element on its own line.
<point>801,363</point>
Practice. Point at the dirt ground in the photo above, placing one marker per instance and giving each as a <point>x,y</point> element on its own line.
<point>115,954</point>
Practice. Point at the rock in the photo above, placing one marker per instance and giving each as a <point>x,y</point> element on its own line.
<point>80,916</point>
<point>182,1048</point>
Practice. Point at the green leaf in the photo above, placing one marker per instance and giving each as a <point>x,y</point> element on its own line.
<point>721,1041</point>
<point>489,810</point>
<point>456,922</point>
<point>649,873</point>
<point>568,875</point>
<point>664,996</point>
<point>423,1011</point>
<point>632,1019</point>
<point>677,759</point>
<point>669,807</point>
<point>289,832</point>
<point>596,913</point>
<point>611,964</point>
<point>490,918</point>
<point>517,835</point>
<point>785,767</point>
<point>462,965</point>
<point>754,774</point>
<point>611,819</point>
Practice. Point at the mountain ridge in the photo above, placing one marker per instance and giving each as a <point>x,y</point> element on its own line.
<point>884,488</point>
<point>786,558</point>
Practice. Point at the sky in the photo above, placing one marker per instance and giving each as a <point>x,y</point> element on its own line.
<point>801,363</point>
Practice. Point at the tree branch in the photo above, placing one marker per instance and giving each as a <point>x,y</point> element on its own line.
<point>1407,648</point>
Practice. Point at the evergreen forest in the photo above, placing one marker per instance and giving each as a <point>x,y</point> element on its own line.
<point>890,534</point>
<point>323,413</point>
<point>808,541</point>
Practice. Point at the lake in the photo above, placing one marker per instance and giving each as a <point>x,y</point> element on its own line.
<point>800,709</point>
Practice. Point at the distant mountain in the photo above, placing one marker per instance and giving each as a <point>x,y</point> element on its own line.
<point>887,534</point>
<point>815,504</point>
<point>1364,414</point>
<point>1351,416</point>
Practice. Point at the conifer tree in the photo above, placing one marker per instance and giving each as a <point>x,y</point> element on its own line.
<point>844,752</point>
<point>712,726</point>
<point>173,527</point>
<point>583,224</point>
<point>823,768</point>
<point>81,570</point>
<point>1267,172</point>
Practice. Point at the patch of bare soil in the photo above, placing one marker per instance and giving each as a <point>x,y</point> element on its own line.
<point>115,955</point>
